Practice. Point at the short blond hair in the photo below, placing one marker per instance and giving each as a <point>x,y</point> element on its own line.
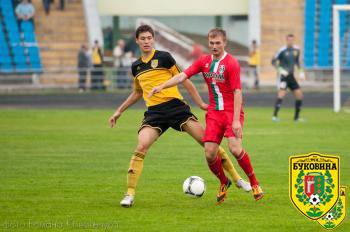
<point>217,32</point>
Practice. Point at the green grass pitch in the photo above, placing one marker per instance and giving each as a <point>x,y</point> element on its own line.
<point>66,170</point>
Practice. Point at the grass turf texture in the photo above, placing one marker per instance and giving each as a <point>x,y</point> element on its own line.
<point>66,169</point>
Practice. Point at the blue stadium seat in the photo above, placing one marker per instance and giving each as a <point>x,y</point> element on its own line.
<point>13,56</point>
<point>22,67</point>
<point>6,68</point>
<point>27,26</point>
<point>29,37</point>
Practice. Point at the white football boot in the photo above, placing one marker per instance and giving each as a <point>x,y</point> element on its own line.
<point>127,201</point>
<point>244,185</point>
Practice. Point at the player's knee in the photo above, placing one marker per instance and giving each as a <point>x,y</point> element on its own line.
<point>235,150</point>
<point>142,148</point>
<point>210,153</point>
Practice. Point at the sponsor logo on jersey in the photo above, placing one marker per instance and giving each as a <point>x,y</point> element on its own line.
<point>216,76</point>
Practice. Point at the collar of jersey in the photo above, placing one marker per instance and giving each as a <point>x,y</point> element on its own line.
<point>150,57</point>
<point>223,57</point>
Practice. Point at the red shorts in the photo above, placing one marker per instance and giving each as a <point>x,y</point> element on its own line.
<point>219,124</point>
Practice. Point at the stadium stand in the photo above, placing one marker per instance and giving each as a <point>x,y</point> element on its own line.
<point>60,43</point>
<point>18,45</point>
<point>318,34</point>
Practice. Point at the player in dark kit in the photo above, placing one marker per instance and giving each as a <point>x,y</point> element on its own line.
<point>285,61</point>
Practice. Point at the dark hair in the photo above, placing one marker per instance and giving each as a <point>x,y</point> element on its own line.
<point>217,32</point>
<point>290,35</point>
<point>144,28</point>
<point>254,41</point>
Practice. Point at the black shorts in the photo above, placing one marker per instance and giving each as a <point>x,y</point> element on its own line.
<point>289,82</point>
<point>174,113</point>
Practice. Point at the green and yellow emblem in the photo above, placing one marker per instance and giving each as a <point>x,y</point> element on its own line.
<point>337,214</point>
<point>314,183</point>
<point>154,63</point>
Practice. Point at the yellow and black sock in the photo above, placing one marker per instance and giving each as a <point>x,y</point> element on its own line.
<point>134,172</point>
<point>228,165</point>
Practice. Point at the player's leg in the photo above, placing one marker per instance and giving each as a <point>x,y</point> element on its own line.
<point>147,136</point>
<point>196,131</point>
<point>282,92</point>
<point>215,166</point>
<point>236,148</point>
<point>256,78</point>
<point>280,95</point>
<point>213,134</point>
<point>298,102</point>
<point>211,141</point>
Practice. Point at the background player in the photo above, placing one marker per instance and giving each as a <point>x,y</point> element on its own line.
<point>254,61</point>
<point>285,60</point>
<point>164,110</point>
<point>225,116</point>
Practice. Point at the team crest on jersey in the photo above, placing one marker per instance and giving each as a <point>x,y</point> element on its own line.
<point>337,214</point>
<point>154,63</point>
<point>206,65</point>
<point>314,183</point>
<point>221,69</point>
<point>295,53</point>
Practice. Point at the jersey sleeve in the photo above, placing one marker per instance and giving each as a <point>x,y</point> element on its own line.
<point>137,86</point>
<point>175,70</point>
<point>297,58</point>
<point>195,68</point>
<point>276,59</point>
<point>170,64</point>
<point>234,75</point>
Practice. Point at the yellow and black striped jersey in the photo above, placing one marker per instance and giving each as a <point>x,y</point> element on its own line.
<point>150,73</point>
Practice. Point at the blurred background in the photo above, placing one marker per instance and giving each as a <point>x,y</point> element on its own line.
<point>46,45</point>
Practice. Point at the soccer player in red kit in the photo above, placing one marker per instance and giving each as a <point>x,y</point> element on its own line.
<point>225,115</point>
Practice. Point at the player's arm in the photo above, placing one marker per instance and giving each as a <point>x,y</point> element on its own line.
<point>276,63</point>
<point>132,99</point>
<point>300,69</point>
<point>235,82</point>
<point>175,80</point>
<point>191,89</point>
<point>178,78</point>
<point>236,125</point>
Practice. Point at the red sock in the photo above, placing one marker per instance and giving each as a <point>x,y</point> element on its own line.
<point>216,168</point>
<point>244,161</point>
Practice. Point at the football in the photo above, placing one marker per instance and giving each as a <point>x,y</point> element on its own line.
<point>194,186</point>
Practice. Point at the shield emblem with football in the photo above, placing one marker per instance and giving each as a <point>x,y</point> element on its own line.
<point>337,214</point>
<point>314,183</point>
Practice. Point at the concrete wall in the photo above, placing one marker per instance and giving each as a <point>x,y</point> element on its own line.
<point>167,8</point>
<point>279,18</point>
<point>237,30</point>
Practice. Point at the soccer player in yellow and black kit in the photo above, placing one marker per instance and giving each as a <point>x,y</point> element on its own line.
<point>164,110</point>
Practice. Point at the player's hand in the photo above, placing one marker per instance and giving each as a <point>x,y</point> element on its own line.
<point>155,90</point>
<point>113,119</point>
<point>204,106</point>
<point>237,129</point>
<point>302,76</point>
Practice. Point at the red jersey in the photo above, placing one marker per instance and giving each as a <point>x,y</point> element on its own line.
<point>222,77</point>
